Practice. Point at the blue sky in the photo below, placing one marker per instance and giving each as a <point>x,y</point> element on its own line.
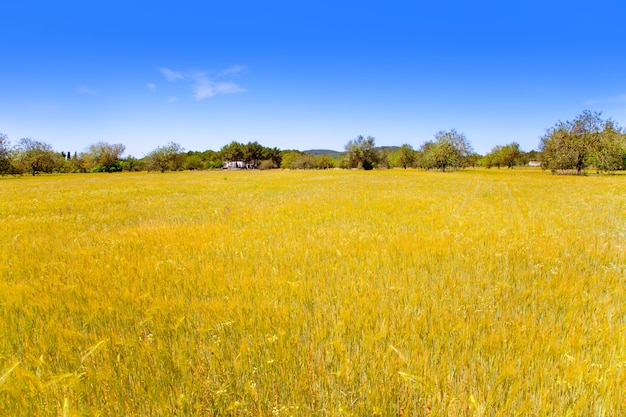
<point>307,74</point>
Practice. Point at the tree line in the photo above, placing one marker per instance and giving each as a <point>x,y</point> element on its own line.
<point>567,148</point>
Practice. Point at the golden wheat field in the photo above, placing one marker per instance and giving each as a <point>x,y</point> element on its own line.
<point>313,293</point>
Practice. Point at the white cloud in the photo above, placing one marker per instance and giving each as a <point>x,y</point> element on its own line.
<point>171,75</point>
<point>151,86</point>
<point>172,99</point>
<point>234,70</point>
<point>204,86</point>
<point>86,91</point>
<point>207,88</point>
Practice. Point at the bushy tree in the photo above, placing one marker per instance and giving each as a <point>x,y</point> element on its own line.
<point>5,155</point>
<point>304,161</point>
<point>193,161</point>
<point>362,153</point>
<point>575,145</point>
<point>132,164</point>
<point>253,153</point>
<point>106,156</point>
<point>288,158</point>
<point>449,150</point>
<point>166,158</point>
<point>32,156</point>
<point>507,155</point>
<point>294,159</point>
<point>492,159</point>
<point>273,155</point>
<point>232,152</point>
<point>210,160</point>
<point>510,154</point>
<point>404,157</point>
<point>324,161</point>
<point>611,152</point>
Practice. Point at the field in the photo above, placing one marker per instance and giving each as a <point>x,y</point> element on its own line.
<point>313,293</point>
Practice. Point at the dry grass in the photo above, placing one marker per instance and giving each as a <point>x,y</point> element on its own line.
<point>495,293</point>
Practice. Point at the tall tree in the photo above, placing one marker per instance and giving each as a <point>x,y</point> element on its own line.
<point>611,152</point>
<point>274,155</point>
<point>5,155</point>
<point>507,155</point>
<point>34,157</point>
<point>448,150</point>
<point>575,145</point>
<point>253,153</point>
<point>362,153</point>
<point>324,162</point>
<point>405,156</point>
<point>232,152</point>
<point>166,158</point>
<point>510,154</point>
<point>106,155</point>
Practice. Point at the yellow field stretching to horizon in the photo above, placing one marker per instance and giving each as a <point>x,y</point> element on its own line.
<point>313,293</point>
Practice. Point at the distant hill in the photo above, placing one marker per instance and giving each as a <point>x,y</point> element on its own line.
<point>388,148</point>
<point>329,152</point>
<point>336,154</point>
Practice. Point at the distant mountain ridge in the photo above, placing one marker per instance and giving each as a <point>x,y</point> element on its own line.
<point>335,154</point>
<point>317,152</point>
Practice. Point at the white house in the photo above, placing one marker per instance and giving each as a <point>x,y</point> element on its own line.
<point>238,165</point>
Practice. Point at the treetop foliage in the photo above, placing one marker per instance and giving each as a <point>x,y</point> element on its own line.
<point>572,146</point>
<point>449,150</point>
<point>362,153</point>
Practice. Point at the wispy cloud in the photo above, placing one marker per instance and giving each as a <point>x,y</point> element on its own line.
<point>86,91</point>
<point>205,86</point>
<point>172,99</point>
<point>610,100</point>
<point>234,70</point>
<point>151,86</point>
<point>171,75</point>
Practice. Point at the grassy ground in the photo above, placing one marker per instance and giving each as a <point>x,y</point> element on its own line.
<point>319,293</point>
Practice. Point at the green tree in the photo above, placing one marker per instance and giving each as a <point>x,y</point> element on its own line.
<point>492,159</point>
<point>132,164</point>
<point>294,159</point>
<point>304,161</point>
<point>5,155</point>
<point>450,149</point>
<point>253,153</point>
<point>510,154</point>
<point>472,159</point>
<point>611,152</point>
<point>507,155</point>
<point>288,158</point>
<point>193,161</point>
<point>232,152</point>
<point>575,145</point>
<point>34,157</point>
<point>274,155</point>
<point>210,159</point>
<point>526,157</point>
<point>405,156</point>
<point>324,161</point>
<point>106,156</point>
<point>362,153</point>
<point>166,158</point>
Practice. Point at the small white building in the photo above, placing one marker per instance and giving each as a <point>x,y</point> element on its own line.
<point>534,163</point>
<point>238,165</point>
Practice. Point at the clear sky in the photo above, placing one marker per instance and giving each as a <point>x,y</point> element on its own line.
<point>305,74</point>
